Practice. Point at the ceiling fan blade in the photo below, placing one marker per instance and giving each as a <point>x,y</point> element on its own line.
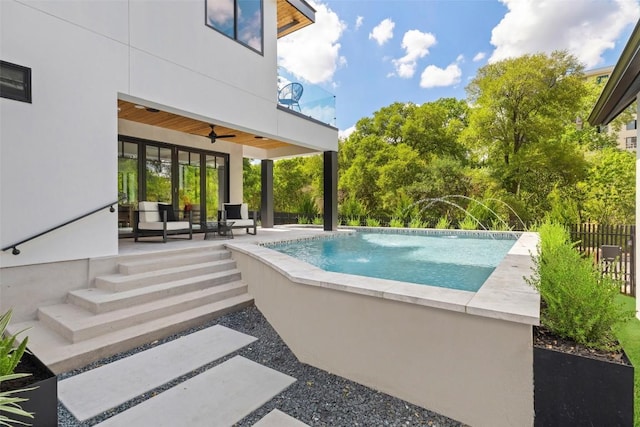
<point>213,135</point>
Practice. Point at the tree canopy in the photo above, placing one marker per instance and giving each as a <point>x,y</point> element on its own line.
<point>518,147</point>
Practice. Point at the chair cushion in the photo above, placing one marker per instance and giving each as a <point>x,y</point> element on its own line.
<point>233,211</point>
<point>171,226</point>
<point>149,212</point>
<point>162,207</point>
<point>243,223</point>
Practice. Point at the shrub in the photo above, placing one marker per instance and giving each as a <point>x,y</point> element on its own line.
<point>303,220</point>
<point>353,222</point>
<point>498,224</point>
<point>578,302</point>
<point>307,207</point>
<point>10,355</point>
<point>318,220</point>
<point>372,222</point>
<point>443,223</point>
<point>468,223</point>
<point>352,208</point>
<point>396,223</point>
<point>416,223</point>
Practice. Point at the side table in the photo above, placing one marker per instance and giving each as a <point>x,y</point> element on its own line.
<point>214,229</point>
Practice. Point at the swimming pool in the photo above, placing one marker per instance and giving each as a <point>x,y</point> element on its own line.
<point>438,259</point>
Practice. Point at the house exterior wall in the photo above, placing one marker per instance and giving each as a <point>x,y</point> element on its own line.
<point>59,153</point>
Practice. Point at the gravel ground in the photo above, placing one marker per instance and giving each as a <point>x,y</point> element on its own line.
<point>317,398</point>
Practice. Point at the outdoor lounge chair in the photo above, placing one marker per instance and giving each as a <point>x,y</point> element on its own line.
<point>239,214</point>
<point>159,219</point>
<point>290,95</point>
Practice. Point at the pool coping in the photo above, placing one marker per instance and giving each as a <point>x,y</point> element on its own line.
<point>505,295</point>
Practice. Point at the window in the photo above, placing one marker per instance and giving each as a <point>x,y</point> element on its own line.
<point>631,142</point>
<point>15,82</point>
<point>602,79</point>
<point>633,124</point>
<point>240,20</point>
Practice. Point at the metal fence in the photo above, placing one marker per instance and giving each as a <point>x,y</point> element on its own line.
<point>611,246</point>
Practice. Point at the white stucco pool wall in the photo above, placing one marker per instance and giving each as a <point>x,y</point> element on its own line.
<point>466,355</point>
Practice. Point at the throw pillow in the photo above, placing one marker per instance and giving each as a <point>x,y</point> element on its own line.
<point>233,211</point>
<point>171,216</point>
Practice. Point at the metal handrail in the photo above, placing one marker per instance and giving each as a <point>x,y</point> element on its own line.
<point>16,251</point>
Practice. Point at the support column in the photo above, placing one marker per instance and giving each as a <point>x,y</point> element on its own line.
<point>330,190</point>
<point>266,192</point>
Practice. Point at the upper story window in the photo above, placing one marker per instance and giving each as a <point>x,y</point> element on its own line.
<point>633,124</point>
<point>239,19</point>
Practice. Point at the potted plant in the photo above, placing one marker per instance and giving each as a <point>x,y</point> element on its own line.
<point>28,389</point>
<point>581,375</point>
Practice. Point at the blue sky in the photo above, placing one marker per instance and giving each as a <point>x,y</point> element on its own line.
<point>371,53</point>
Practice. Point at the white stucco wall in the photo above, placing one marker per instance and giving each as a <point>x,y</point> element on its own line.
<point>59,154</point>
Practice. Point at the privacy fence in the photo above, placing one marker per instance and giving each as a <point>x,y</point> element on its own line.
<point>611,246</point>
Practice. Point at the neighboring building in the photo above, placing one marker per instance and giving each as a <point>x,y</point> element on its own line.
<point>627,138</point>
<point>118,97</point>
<point>621,90</point>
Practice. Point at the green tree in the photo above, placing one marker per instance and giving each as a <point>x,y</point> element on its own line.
<point>434,127</point>
<point>252,184</point>
<point>520,103</point>
<point>611,188</point>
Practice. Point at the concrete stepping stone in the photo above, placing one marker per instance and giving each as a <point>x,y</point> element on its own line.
<point>278,418</point>
<point>221,396</point>
<point>93,392</point>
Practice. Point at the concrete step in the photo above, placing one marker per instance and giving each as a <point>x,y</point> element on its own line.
<point>171,260</point>
<point>278,418</point>
<point>120,282</point>
<point>60,355</point>
<point>101,300</point>
<point>93,392</point>
<point>221,396</point>
<point>76,323</point>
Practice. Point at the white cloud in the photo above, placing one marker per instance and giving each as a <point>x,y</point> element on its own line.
<point>313,53</point>
<point>343,134</point>
<point>585,28</point>
<point>433,76</point>
<point>382,32</point>
<point>220,13</point>
<point>359,21</point>
<point>479,56</point>
<point>416,45</point>
<point>460,59</point>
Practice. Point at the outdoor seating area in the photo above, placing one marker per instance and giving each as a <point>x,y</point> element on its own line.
<point>239,214</point>
<point>153,219</point>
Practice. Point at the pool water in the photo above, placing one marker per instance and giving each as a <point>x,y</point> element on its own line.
<point>456,262</point>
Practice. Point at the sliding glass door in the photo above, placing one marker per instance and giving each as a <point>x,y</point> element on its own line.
<point>191,180</point>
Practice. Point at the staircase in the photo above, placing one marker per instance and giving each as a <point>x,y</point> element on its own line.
<point>152,296</point>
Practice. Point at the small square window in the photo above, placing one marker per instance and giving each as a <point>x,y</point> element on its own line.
<point>15,82</point>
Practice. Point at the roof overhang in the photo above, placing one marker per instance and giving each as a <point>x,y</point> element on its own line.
<point>294,15</point>
<point>623,86</point>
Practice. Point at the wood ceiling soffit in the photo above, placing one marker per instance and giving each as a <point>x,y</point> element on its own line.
<point>290,19</point>
<point>164,119</point>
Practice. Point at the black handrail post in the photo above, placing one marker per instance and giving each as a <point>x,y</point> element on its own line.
<point>16,251</point>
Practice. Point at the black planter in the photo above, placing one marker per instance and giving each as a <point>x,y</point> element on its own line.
<point>573,390</point>
<point>43,401</point>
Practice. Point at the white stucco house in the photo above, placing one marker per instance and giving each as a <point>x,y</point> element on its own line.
<point>621,90</point>
<point>122,99</point>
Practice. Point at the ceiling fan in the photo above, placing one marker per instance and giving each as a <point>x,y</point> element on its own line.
<point>213,135</point>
